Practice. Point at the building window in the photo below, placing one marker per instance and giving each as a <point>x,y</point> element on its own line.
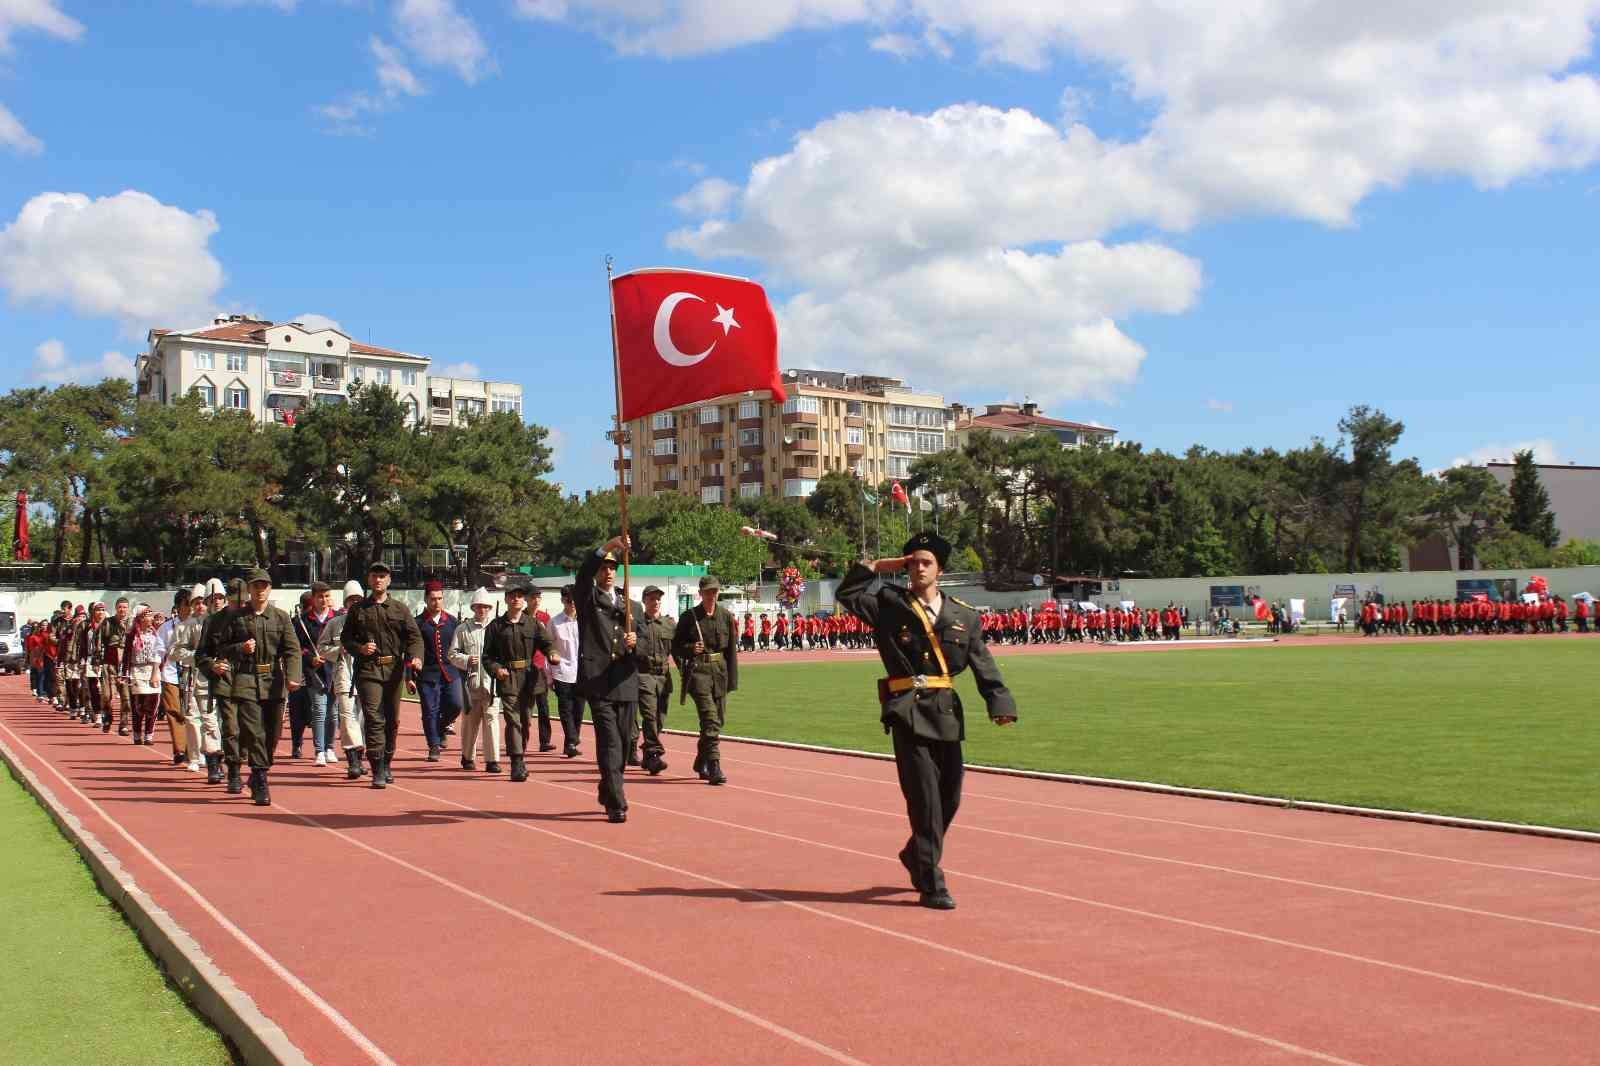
<point>380,375</point>
<point>853,407</point>
<point>467,407</point>
<point>749,409</point>
<point>327,371</point>
<point>665,446</point>
<point>328,399</point>
<point>408,377</point>
<point>237,361</point>
<point>711,494</point>
<point>207,394</point>
<point>749,438</point>
<point>804,405</point>
<point>923,417</point>
<point>505,401</point>
<point>627,478</point>
<point>793,487</point>
<point>928,443</point>
<point>203,361</point>
<point>357,372</point>
<point>852,435</point>
<point>285,364</point>
<point>902,441</point>
<point>749,489</point>
<point>238,398</point>
<point>856,469</point>
<point>710,416</point>
<point>663,420</point>
<point>413,412</point>
<point>899,466</point>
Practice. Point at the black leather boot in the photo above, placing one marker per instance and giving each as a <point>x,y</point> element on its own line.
<point>378,779</point>
<point>213,768</point>
<point>352,764</point>
<point>519,768</point>
<point>235,786</point>
<point>714,774</point>
<point>261,795</point>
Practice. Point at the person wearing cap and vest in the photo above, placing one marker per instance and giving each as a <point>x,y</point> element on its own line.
<point>202,733</point>
<point>509,645</point>
<point>382,637</point>
<point>343,707</point>
<point>258,641</point>
<point>483,711</point>
<point>185,747</point>
<point>654,654</point>
<point>220,670</point>
<point>436,681</point>
<point>706,646</point>
<point>925,639</point>
<point>608,674</point>
<point>113,639</point>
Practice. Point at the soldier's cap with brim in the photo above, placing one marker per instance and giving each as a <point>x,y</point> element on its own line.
<point>517,588</point>
<point>258,576</point>
<point>710,581</point>
<point>609,559</point>
<point>653,590</point>
<point>235,586</point>
<point>929,542</point>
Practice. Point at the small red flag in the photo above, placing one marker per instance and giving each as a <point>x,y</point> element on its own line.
<point>897,492</point>
<point>19,532</point>
<point>684,337</point>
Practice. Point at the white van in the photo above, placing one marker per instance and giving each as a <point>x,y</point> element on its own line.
<point>12,659</point>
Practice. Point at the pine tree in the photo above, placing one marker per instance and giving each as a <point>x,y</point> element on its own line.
<point>1530,503</point>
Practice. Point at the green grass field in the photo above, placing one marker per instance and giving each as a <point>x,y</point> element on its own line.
<point>1501,729</point>
<point>79,988</point>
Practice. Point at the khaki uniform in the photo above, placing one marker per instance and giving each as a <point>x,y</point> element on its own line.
<point>260,678</point>
<point>220,686</point>
<point>709,676</point>
<point>379,676</point>
<point>654,654</point>
<point>510,646</point>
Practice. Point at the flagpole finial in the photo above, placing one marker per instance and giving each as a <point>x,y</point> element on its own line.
<point>610,261</point>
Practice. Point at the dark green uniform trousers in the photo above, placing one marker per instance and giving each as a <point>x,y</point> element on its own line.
<point>259,726</point>
<point>653,692</point>
<point>610,734</point>
<point>930,779</point>
<point>228,722</point>
<point>380,712</point>
<point>708,687</point>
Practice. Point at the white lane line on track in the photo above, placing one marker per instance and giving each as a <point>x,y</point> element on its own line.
<point>1128,1001</point>
<point>1156,915</point>
<point>322,1006</point>
<point>966,795</point>
<point>578,941</point>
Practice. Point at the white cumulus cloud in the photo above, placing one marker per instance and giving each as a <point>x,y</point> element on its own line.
<point>314,322</point>
<point>41,16</point>
<point>437,33</point>
<point>52,366</point>
<point>709,197</point>
<point>1543,448</point>
<point>456,370</point>
<point>14,135</point>
<point>128,257</point>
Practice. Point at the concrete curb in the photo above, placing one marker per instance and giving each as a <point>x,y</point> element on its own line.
<point>1422,817</point>
<point>257,1038</point>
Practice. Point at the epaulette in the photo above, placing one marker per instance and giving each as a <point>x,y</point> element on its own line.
<point>963,603</point>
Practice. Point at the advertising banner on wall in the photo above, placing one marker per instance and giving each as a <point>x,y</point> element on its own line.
<point>1227,595</point>
<point>1498,589</point>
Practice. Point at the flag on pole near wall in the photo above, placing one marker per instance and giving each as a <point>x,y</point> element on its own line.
<point>898,493</point>
<point>19,533</point>
<point>685,336</point>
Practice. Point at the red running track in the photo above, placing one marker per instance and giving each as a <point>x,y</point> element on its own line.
<point>457,917</point>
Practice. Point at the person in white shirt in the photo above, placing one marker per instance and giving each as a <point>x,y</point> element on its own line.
<point>564,675</point>
<point>483,710</point>
<point>341,693</point>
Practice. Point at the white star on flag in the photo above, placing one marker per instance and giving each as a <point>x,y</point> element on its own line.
<point>725,319</point>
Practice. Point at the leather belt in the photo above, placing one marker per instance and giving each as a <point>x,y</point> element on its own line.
<point>663,672</point>
<point>382,660</point>
<point>919,683</point>
<point>262,669</point>
<point>711,657</point>
<point>517,664</point>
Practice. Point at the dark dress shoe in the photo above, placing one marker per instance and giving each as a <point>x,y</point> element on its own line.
<point>571,751</point>
<point>122,730</point>
<point>378,780</point>
<point>616,816</point>
<point>655,766</point>
<point>714,774</point>
<point>491,768</point>
<point>700,767</point>
<point>178,758</point>
<point>433,754</point>
<point>468,764</point>
<point>294,752</point>
<point>262,796</point>
<point>939,901</point>
<point>388,772</point>
<point>547,747</point>
<point>905,860</point>
<point>519,770</point>
<point>235,785</point>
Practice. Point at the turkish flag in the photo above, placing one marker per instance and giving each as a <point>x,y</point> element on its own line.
<point>898,493</point>
<point>684,337</point>
<point>19,532</point>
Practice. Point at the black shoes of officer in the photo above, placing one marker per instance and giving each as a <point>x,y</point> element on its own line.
<point>105,727</point>
<point>122,730</point>
<point>295,752</point>
<point>433,753</point>
<point>179,758</point>
<point>547,747</point>
<point>714,774</point>
<point>905,860</point>
<point>352,764</point>
<point>213,769</point>
<point>519,769</point>
<point>491,767</point>
<point>468,764</point>
<point>654,765</point>
<point>700,766</point>
<point>235,786</point>
<point>938,901</point>
<point>616,815</point>
<point>570,751</point>
<point>378,780</point>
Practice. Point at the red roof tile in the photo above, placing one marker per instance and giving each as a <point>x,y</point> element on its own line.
<point>1016,420</point>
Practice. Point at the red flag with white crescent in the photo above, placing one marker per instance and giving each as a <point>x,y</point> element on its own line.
<point>684,336</point>
<point>19,532</point>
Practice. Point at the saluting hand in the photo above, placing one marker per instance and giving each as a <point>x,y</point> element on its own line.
<point>888,566</point>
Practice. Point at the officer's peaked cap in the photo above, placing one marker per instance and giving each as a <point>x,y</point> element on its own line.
<point>929,542</point>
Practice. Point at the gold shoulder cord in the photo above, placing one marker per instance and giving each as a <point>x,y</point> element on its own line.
<point>927,627</point>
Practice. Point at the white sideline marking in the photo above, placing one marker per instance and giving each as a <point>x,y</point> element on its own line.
<point>322,1006</point>
<point>1129,1001</point>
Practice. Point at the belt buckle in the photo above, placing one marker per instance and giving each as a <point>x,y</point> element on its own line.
<point>919,682</point>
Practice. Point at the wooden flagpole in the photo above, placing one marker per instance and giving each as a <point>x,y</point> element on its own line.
<point>622,488</point>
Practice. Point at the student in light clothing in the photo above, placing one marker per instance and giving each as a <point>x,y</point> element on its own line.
<point>483,710</point>
<point>341,680</point>
<point>564,675</point>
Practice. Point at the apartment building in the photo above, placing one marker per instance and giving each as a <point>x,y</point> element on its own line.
<point>1011,420</point>
<point>745,445</point>
<point>274,370</point>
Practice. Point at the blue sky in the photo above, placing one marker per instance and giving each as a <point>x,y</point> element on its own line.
<point>1224,233</point>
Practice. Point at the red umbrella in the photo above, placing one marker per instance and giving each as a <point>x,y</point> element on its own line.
<point>20,539</point>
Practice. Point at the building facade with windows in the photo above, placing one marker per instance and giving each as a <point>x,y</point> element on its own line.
<point>746,445</point>
<point>275,370</point>
<point>1011,420</point>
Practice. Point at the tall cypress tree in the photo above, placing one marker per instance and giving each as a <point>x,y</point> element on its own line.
<point>1530,503</point>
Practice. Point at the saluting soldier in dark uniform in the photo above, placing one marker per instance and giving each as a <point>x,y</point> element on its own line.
<point>706,645</point>
<point>924,639</point>
<point>608,674</point>
<point>654,652</point>
<point>509,645</point>
<point>220,671</point>
<point>382,637</point>
<point>259,644</point>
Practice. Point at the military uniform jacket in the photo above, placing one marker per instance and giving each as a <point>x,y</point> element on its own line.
<point>719,635</point>
<point>606,670</point>
<point>906,651</point>
<point>108,642</point>
<point>208,657</point>
<point>388,625</point>
<point>654,650</point>
<point>264,673</point>
<point>506,644</point>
